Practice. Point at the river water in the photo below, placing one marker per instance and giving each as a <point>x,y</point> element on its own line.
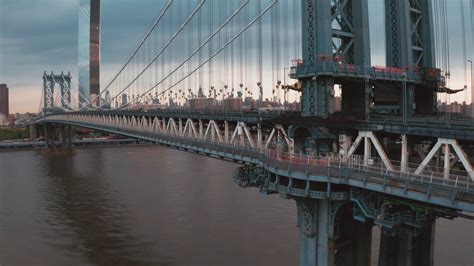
<point>150,205</point>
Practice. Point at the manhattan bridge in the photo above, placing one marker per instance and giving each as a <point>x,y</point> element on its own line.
<point>368,147</point>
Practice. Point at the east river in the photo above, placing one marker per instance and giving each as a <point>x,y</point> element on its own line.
<point>151,205</point>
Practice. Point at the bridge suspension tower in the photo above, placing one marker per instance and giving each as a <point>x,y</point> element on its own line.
<point>51,82</point>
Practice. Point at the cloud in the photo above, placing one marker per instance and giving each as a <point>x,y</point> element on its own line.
<point>37,36</point>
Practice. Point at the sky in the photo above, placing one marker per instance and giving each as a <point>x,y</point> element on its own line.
<point>41,35</point>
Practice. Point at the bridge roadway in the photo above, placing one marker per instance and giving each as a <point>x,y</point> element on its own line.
<point>429,188</point>
<point>432,126</point>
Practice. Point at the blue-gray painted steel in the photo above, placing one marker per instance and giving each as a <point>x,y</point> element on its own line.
<point>419,190</point>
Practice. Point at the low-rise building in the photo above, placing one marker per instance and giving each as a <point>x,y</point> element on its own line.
<point>233,104</point>
<point>201,103</point>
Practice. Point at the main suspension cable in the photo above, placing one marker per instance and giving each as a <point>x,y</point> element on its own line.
<point>157,21</point>
<point>201,3</point>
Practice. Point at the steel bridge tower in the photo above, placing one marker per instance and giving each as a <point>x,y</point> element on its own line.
<point>336,50</point>
<point>409,38</point>
<point>49,84</point>
<point>336,39</point>
<point>332,30</point>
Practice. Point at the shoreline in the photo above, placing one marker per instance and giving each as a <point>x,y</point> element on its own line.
<point>77,144</point>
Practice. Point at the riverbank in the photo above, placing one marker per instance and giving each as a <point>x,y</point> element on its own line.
<point>84,143</point>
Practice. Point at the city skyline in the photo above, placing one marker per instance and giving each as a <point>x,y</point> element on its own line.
<point>32,42</point>
<point>333,128</point>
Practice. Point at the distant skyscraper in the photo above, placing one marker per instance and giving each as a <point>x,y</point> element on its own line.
<point>124,99</point>
<point>89,52</point>
<point>4,103</point>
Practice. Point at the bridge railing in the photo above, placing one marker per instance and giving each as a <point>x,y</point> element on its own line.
<point>335,166</point>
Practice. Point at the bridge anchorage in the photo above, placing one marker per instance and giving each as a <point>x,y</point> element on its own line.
<point>385,158</point>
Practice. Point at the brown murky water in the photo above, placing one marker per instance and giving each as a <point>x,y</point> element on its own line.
<point>154,206</point>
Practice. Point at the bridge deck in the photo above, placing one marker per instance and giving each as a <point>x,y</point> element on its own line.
<point>430,126</point>
<point>456,194</point>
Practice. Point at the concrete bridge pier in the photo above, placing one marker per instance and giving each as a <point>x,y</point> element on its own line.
<point>49,136</point>
<point>408,249</point>
<point>57,140</point>
<point>33,132</point>
<point>329,236</point>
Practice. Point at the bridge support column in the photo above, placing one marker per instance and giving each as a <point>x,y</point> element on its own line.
<point>201,129</point>
<point>408,249</point>
<point>226,132</point>
<point>259,136</point>
<point>404,160</point>
<point>326,240</point>
<point>447,165</point>
<point>407,101</point>
<point>33,132</point>
<point>46,137</point>
<point>180,127</point>
<point>367,151</point>
<point>316,247</point>
<point>49,136</point>
<point>69,137</point>
<point>345,143</point>
<point>64,137</point>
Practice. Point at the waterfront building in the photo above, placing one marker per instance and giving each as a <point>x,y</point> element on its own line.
<point>4,101</point>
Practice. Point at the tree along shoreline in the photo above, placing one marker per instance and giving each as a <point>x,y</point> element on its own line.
<point>14,134</point>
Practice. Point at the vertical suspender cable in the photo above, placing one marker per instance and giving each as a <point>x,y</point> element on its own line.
<point>471,10</point>
<point>210,74</point>
<point>199,83</point>
<point>241,56</point>
<point>248,56</point>
<point>446,26</point>
<point>232,55</point>
<point>274,52</point>
<point>259,52</point>
<point>278,50</point>
<point>286,48</point>
<point>209,39</point>
<point>226,52</point>
<point>298,36</point>
<point>226,44</point>
<point>188,50</point>
<point>221,59</point>
<point>464,57</point>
